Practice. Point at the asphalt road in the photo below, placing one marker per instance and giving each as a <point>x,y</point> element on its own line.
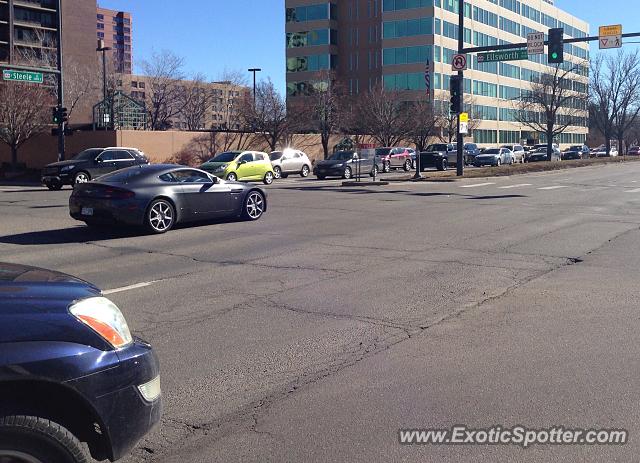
<point>345,314</point>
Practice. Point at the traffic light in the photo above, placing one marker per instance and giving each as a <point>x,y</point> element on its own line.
<point>59,115</point>
<point>55,117</point>
<point>556,46</point>
<point>455,87</point>
<point>64,115</point>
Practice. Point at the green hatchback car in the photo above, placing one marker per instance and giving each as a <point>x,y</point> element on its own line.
<point>241,166</point>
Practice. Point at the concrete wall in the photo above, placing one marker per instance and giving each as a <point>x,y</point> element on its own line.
<point>158,146</point>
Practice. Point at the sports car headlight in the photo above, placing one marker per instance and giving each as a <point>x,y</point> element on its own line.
<point>103,317</point>
<point>67,168</point>
<point>221,168</point>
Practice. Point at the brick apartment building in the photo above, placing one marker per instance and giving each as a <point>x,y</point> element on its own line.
<point>31,26</point>
<point>115,28</point>
<point>389,42</point>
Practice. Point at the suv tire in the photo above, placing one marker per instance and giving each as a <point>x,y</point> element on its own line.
<point>40,439</point>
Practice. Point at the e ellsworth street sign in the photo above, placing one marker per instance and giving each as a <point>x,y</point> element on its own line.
<point>508,55</point>
<point>22,76</point>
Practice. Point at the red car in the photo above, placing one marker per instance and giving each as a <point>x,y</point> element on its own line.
<point>394,158</point>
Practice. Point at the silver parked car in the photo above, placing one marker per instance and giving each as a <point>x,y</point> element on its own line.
<point>494,157</point>
<point>517,151</point>
<point>290,161</point>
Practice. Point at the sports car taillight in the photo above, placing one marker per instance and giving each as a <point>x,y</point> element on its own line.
<point>118,193</point>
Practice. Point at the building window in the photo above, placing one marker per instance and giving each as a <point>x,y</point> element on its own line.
<point>311,13</point>
<point>406,55</point>
<point>407,28</point>
<point>485,136</point>
<point>100,17</point>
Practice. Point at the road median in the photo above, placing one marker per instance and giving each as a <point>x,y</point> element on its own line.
<point>516,169</point>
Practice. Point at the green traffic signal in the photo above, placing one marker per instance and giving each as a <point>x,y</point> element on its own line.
<point>554,55</point>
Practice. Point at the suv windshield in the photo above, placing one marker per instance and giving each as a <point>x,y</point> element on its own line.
<point>87,154</point>
<point>225,157</point>
<point>437,147</point>
<point>342,156</point>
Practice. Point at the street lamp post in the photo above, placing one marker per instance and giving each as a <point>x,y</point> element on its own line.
<point>254,70</point>
<point>104,50</point>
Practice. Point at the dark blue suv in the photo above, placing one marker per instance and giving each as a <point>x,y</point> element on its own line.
<point>70,371</point>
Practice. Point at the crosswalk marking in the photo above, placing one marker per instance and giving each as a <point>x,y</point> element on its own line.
<point>476,185</point>
<point>557,187</point>
<point>637,190</point>
<point>519,185</point>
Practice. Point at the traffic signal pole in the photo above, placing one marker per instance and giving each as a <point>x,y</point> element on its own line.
<point>61,121</point>
<point>460,141</point>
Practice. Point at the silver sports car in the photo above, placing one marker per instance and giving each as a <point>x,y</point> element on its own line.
<point>159,196</point>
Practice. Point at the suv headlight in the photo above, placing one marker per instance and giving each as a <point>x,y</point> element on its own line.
<point>67,168</point>
<point>103,317</point>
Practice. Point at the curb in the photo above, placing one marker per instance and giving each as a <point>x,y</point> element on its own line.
<point>353,183</point>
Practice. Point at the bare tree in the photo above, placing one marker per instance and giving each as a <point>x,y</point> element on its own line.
<point>551,105</point>
<point>321,111</point>
<point>233,76</point>
<point>423,124</point>
<point>383,114</point>
<point>195,102</point>
<point>164,72</point>
<point>627,108</point>
<point>25,110</point>
<point>268,118</point>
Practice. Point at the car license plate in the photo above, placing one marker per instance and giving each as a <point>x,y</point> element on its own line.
<point>87,211</point>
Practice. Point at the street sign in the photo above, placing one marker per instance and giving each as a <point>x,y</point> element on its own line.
<point>535,43</point>
<point>464,128</point>
<point>610,36</point>
<point>613,41</point>
<point>22,76</point>
<point>464,117</point>
<point>459,63</point>
<point>510,55</point>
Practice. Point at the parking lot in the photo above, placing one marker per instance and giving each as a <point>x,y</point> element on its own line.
<point>346,313</point>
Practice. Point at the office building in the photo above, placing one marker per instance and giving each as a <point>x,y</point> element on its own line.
<point>389,42</point>
<point>28,32</point>
<point>115,28</point>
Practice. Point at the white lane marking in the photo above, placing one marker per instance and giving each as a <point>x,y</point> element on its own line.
<point>557,187</point>
<point>129,288</point>
<point>637,190</point>
<point>476,185</point>
<point>514,186</point>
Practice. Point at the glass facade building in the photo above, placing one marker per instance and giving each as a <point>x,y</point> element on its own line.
<point>390,42</point>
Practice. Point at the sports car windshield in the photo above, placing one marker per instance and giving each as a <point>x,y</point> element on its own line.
<point>123,176</point>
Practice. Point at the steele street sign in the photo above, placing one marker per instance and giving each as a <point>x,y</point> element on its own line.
<point>509,55</point>
<point>22,76</point>
<point>535,43</point>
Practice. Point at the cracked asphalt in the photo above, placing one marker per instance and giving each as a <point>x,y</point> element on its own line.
<point>345,314</point>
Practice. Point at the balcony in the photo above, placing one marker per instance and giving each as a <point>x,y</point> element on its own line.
<point>47,5</point>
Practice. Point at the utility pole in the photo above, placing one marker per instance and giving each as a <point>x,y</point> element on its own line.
<point>254,70</point>
<point>61,121</point>
<point>460,144</point>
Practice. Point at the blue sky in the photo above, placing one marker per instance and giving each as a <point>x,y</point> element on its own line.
<point>239,34</point>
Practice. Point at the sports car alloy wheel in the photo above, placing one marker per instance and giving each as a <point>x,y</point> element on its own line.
<point>254,205</point>
<point>161,216</point>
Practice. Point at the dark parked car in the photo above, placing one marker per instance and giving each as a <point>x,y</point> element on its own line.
<point>394,158</point>
<point>70,372</point>
<point>161,195</point>
<point>634,151</point>
<point>346,164</point>
<point>541,155</point>
<point>90,164</point>
<point>576,152</point>
<point>470,152</point>
<point>446,149</point>
<point>433,159</point>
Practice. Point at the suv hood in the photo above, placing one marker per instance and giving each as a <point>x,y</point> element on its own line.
<point>25,282</point>
<point>66,163</point>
